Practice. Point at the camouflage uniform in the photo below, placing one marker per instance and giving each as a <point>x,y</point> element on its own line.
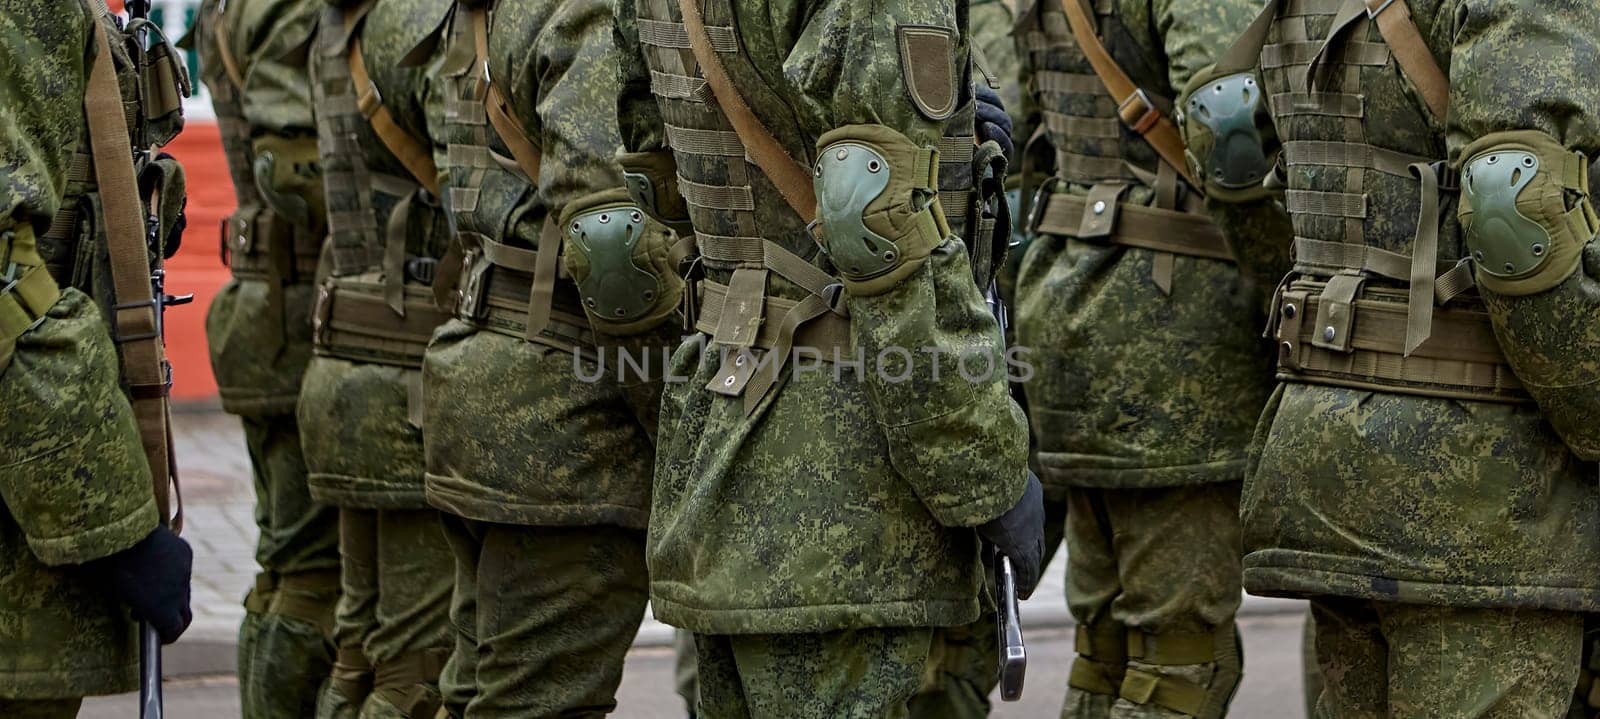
<point>538,451</point>
<point>360,405</point>
<point>808,597</point>
<point>1417,477</point>
<point>1150,371</point>
<point>259,332</point>
<point>74,481</point>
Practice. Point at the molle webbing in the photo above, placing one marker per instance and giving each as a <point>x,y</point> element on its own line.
<point>1134,107</point>
<point>354,321</point>
<point>1149,228</point>
<point>499,112</point>
<point>258,244</point>
<point>1324,337</point>
<point>353,237</point>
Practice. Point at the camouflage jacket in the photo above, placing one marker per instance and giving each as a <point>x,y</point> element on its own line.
<point>259,326</point>
<point>1134,386</point>
<point>360,420</point>
<point>842,497</point>
<point>1398,493</point>
<point>522,431</point>
<point>74,483</point>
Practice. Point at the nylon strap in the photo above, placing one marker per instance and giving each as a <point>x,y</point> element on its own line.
<point>417,158</point>
<point>1411,53</point>
<point>135,321</point>
<point>1171,649</point>
<point>230,66</point>
<point>506,125</point>
<point>23,305</point>
<point>1179,695</point>
<point>1245,52</point>
<point>1133,105</point>
<point>1424,256</point>
<point>418,667</point>
<point>542,295</point>
<point>791,178</point>
<point>1149,228</point>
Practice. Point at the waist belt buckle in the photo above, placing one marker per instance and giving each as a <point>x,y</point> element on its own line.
<point>1041,198</point>
<point>1449,176</point>
<point>422,270</point>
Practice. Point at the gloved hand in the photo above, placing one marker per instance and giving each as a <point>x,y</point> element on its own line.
<point>152,578</point>
<point>993,121</point>
<point>1019,534</point>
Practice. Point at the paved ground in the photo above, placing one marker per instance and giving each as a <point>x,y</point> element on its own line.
<point>218,522</point>
<point>1271,687</point>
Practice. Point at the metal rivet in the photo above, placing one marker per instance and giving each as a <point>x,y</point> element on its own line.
<point>649,294</point>
<point>1510,267</point>
<point>1493,159</point>
<point>1329,333</point>
<point>590,302</point>
<point>1527,162</point>
<point>621,312</point>
<point>1289,310</point>
<point>819,171</point>
<point>874,166</point>
<point>1099,207</point>
<point>1538,250</point>
<point>1478,255</point>
<point>1287,347</point>
<point>738,361</point>
<point>605,219</point>
<point>576,228</point>
<point>637,217</point>
<point>889,256</point>
<point>728,382</point>
<point>843,153</point>
<point>1217,88</point>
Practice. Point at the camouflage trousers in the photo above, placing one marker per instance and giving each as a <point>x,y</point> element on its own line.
<point>1383,660</point>
<point>392,625</point>
<point>543,618</point>
<point>851,674</point>
<point>285,641</point>
<point>685,674</point>
<point>39,708</point>
<point>1154,582</point>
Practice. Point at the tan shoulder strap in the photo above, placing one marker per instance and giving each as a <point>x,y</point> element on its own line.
<point>1133,105</point>
<point>1411,53</point>
<point>791,178</point>
<point>135,319</point>
<point>511,130</point>
<point>417,157</point>
<point>230,65</point>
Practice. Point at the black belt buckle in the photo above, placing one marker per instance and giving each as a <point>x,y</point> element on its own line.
<point>1040,199</point>
<point>422,270</point>
<point>1449,176</point>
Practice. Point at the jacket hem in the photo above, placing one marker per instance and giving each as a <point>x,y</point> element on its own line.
<point>342,490</point>
<point>811,619</point>
<point>502,510</point>
<point>1060,471</point>
<point>1282,573</point>
<point>257,406</point>
<point>42,685</point>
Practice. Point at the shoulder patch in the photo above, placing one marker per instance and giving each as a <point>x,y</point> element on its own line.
<point>928,60</point>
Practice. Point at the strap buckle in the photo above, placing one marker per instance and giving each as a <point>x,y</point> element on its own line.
<point>1041,198</point>
<point>422,269</point>
<point>833,295</point>
<point>12,277</point>
<point>1140,117</point>
<point>1449,176</point>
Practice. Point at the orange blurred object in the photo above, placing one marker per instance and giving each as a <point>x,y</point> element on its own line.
<point>198,265</point>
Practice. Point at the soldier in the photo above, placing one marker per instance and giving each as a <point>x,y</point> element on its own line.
<point>259,332</point>
<point>361,402</point>
<point>538,418</point>
<point>1150,368</point>
<point>82,550</point>
<point>813,527</point>
<point>1425,474</point>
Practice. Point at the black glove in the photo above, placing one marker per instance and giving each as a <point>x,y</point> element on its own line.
<point>1019,534</point>
<point>152,578</point>
<point>993,122</point>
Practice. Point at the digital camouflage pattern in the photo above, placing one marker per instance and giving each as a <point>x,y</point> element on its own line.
<point>1133,388</point>
<point>259,334</point>
<point>513,434</point>
<point>74,483</point>
<point>544,617</point>
<point>1404,661</point>
<point>744,538</point>
<point>1405,498</point>
<point>858,673</point>
<point>360,422</point>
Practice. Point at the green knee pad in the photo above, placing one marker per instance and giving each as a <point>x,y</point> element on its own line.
<point>1221,648</point>
<point>1102,660</point>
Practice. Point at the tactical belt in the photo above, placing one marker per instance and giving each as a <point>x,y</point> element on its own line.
<point>1328,335</point>
<point>1120,223</point>
<point>257,246</point>
<point>828,334</point>
<point>352,673</point>
<point>500,303</point>
<point>403,681</point>
<point>355,321</point>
